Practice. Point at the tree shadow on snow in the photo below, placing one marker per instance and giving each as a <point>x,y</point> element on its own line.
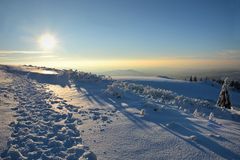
<point>179,126</point>
<point>95,94</point>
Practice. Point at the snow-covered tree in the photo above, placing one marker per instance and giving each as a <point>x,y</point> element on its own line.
<point>224,98</point>
<point>211,116</point>
<point>195,79</point>
<point>191,79</point>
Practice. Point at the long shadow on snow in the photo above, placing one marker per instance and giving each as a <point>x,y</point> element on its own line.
<point>95,94</point>
<point>182,129</point>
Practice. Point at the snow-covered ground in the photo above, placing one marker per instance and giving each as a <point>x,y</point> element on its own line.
<point>6,102</point>
<point>69,115</point>
<point>203,90</point>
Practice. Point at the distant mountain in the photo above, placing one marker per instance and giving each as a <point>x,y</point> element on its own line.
<point>128,72</point>
<point>166,77</point>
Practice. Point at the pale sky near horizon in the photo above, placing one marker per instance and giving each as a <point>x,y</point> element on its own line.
<point>97,35</point>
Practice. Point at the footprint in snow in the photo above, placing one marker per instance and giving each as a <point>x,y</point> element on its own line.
<point>40,132</point>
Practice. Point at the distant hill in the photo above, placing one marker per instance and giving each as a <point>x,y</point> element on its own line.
<point>161,76</point>
<point>128,72</point>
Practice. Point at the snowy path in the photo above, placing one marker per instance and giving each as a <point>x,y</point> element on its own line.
<point>40,130</point>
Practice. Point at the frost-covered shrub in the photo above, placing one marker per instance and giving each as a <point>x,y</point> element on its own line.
<point>63,76</point>
<point>78,76</point>
<point>115,90</point>
<point>142,112</point>
<point>156,94</point>
<point>211,116</point>
<point>196,113</point>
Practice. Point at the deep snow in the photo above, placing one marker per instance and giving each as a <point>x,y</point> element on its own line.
<point>91,116</point>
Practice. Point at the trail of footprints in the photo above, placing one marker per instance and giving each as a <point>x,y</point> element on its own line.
<point>40,131</point>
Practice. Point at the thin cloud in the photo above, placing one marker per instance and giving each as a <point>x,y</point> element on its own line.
<point>19,56</point>
<point>229,54</point>
<point>22,52</point>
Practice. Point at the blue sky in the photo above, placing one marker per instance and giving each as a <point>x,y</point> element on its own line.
<point>127,30</point>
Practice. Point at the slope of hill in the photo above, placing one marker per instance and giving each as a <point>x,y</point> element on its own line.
<point>90,117</point>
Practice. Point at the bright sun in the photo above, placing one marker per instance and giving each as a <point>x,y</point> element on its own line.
<point>47,41</point>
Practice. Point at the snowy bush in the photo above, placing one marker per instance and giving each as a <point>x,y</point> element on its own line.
<point>117,89</point>
<point>211,116</point>
<point>196,113</point>
<point>78,76</point>
<point>114,90</point>
<point>142,112</point>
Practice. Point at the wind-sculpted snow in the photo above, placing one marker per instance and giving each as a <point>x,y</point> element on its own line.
<point>41,131</point>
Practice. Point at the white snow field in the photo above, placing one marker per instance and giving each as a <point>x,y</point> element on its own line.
<point>203,90</point>
<point>58,114</point>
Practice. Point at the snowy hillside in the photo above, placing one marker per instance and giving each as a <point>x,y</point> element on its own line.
<point>65,114</point>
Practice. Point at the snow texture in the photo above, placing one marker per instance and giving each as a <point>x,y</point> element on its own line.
<point>66,114</point>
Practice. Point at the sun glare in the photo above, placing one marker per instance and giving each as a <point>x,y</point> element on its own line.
<point>47,41</point>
